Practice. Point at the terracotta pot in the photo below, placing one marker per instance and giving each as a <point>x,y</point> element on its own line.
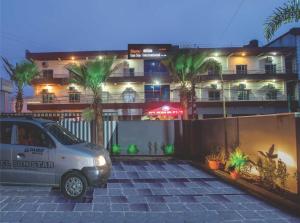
<point>213,164</point>
<point>234,175</point>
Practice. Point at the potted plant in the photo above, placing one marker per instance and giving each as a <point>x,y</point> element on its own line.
<point>214,161</point>
<point>132,149</point>
<point>169,149</point>
<point>116,149</point>
<point>237,160</point>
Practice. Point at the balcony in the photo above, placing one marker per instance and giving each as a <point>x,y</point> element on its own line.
<point>119,101</point>
<point>258,74</point>
<point>114,78</point>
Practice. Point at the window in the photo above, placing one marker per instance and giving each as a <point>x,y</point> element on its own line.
<point>31,135</point>
<point>5,134</point>
<point>241,69</point>
<point>213,71</point>
<point>62,135</point>
<point>154,67</point>
<point>271,95</point>
<point>129,72</point>
<point>48,74</point>
<point>213,95</point>
<point>74,97</point>
<point>157,93</point>
<point>243,95</point>
<point>270,68</point>
<point>129,95</point>
<point>48,97</point>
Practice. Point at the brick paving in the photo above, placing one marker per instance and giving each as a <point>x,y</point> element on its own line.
<point>142,191</point>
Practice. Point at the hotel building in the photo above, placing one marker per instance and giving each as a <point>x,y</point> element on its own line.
<point>257,80</point>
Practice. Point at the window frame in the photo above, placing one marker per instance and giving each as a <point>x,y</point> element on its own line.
<point>15,139</point>
<point>241,71</point>
<point>12,131</point>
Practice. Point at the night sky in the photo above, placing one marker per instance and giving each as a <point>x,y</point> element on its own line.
<point>73,25</point>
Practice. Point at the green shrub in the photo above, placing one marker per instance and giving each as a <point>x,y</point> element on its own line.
<point>237,160</point>
<point>116,149</point>
<point>132,149</point>
<point>169,149</point>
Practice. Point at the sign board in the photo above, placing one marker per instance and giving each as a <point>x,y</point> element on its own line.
<point>6,85</point>
<point>148,51</point>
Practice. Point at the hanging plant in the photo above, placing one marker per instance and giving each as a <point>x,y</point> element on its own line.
<point>132,149</point>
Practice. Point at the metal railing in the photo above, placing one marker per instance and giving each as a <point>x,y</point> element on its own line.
<point>141,97</point>
<point>279,70</point>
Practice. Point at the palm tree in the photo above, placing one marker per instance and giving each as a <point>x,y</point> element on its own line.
<point>185,67</point>
<point>21,74</point>
<point>92,75</point>
<point>288,13</point>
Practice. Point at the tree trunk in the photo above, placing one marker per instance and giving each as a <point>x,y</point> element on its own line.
<point>184,104</point>
<point>19,102</point>
<point>98,121</point>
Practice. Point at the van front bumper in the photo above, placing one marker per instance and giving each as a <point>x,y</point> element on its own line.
<point>97,176</point>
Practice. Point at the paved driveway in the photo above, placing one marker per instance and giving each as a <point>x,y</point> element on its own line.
<point>142,191</point>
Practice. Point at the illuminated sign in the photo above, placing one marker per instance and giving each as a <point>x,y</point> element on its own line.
<point>148,51</point>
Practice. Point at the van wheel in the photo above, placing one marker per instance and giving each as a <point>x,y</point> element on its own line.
<point>74,185</point>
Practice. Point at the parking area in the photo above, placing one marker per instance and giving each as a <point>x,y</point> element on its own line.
<point>142,191</point>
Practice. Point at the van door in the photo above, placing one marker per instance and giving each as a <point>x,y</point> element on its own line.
<point>32,155</point>
<point>6,133</point>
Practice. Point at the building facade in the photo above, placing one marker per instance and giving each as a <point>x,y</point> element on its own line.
<point>6,88</point>
<point>257,80</point>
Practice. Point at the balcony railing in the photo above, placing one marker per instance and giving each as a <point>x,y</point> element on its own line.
<point>140,98</point>
<point>147,76</point>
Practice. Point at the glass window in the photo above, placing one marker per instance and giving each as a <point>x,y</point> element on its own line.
<point>48,97</point>
<point>31,135</point>
<point>5,134</point>
<point>154,67</point>
<point>270,68</point>
<point>74,97</point>
<point>48,74</point>
<point>241,69</point>
<point>243,95</point>
<point>157,93</point>
<point>271,95</point>
<point>214,95</point>
<point>62,135</point>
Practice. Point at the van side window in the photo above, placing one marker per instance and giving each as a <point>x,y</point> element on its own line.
<point>31,135</point>
<point>5,132</point>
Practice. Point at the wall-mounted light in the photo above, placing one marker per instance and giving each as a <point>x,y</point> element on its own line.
<point>100,57</point>
<point>156,82</point>
<point>243,54</point>
<point>128,85</point>
<point>287,159</point>
<point>216,54</point>
<point>72,58</point>
<point>274,53</point>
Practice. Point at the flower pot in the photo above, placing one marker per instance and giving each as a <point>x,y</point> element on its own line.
<point>213,164</point>
<point>234,174</point>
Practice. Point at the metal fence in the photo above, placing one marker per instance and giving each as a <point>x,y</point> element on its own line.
<point>74,122</point>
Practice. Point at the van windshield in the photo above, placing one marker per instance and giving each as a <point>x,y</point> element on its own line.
<point>64,136</point>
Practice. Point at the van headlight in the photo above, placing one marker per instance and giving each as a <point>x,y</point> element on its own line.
<point>100,161</point>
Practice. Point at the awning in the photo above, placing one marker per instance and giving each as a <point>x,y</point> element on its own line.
<point>165,110</point>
